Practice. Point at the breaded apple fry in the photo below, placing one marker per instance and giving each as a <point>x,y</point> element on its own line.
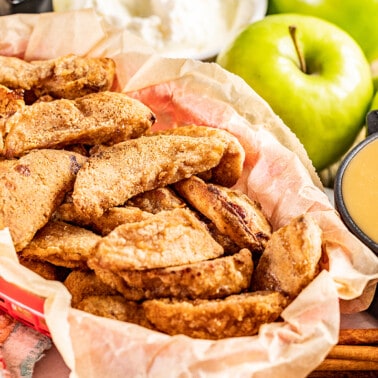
<point>84,283</point>
<point>232,212</point>
<point>68,76</point>
<point>291,257</point>
<point>214,278</point>
<point>11,101</point>
<point>97,118</point>
<point>104,224</point>
<point>157,200</point>
<point>115,307</point>
<point>44,269</point>
<point>32,188</point>
<point>235,315</point>
<point>62,244</point>
<point>115,282</point>
<point>115,174</point>
<point>229,169</point>
<point>168,238</point>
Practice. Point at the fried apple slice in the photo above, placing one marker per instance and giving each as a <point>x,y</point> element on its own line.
<point>115,307</point>
<point>44,269</point>
<point>230,168</point>
<point>85,283</point>
<point>233,316</point>
<point>157,200</point>
<point>97,118</point>
<point>62,244</point>
<point>116,282</point>
<point>168,238</point>
<point>11,101</point>
<point>233,213</point>
<point>208,279</point>
<point>68,76</point>
<point>115,174</point>
<point>6,165</point>
<point>291,257</point>
<point>31,190</point>
<point>107,222</point>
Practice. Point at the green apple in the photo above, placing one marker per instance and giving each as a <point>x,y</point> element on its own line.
<point>358,18</point>
<point>317,80</point>
<point>374,103</point>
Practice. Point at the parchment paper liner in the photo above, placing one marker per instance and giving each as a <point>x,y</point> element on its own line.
<point>277,172</point>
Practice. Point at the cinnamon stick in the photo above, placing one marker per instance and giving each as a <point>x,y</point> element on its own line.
<point>354,352</point>
<point>347,365</point>
<point>358,336</point>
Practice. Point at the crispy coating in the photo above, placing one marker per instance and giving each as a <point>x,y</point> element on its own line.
<point>62,244</point>
<point>44,269</point>
<point>115,307</point>
<point>291,257</point>
<point>68,76</point>
<point>33,188</point>
<point>232,212</point>
<point>229,246</point>
<point>107,222</point>
<point>97,118</point>
<point>84,283</point>
<point>116,216</point>
<point>214,278</point>
<point>116,282</point>
<point>6,165</point>
<point>168,238</point>
<point>157,200</point>
<point>230,168</point>
<point>11,101</point>
<point>116,173</point>
<point>236,315</point>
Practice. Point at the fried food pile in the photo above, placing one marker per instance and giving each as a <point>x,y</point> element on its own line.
<point>140,226</point>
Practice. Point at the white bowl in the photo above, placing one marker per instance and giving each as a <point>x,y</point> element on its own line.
<point>195,29</point>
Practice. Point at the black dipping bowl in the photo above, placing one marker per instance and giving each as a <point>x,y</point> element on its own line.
<point>372,124</point>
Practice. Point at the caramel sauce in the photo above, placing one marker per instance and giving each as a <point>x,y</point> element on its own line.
<point>360,189</point>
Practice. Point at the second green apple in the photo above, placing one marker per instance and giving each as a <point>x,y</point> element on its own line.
<point>317,80</point>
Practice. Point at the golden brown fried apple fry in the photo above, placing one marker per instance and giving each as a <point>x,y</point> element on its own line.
<point>6,165</point>
<point>97,118</point>
<point>68,76</point>
<point>116,173</point>
<point>31,190</point>
<point>62,244</point>
<point>233,213</point>
<point>236,315</point>
<point>115,307</point>
<point>10,103</point>
<point>291,257</point>
<point>157,200</point>
<point>208,279</point>
<point>44,269</point>
<point>84,283</point>
<point>114,281</point>
<point>166,239</point>
<point>230,168</point>
<point>107,222</point>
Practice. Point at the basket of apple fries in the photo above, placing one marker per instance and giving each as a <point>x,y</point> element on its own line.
<point>170,220</point>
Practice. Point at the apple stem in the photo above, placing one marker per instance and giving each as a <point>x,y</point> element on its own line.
<point>293,34</point>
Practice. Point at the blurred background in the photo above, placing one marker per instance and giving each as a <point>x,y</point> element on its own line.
<point>24,6</point>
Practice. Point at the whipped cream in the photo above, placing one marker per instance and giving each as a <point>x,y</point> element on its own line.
<point>176,28</point>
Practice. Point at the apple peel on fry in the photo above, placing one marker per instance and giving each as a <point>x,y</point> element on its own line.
<point>276,173</point>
